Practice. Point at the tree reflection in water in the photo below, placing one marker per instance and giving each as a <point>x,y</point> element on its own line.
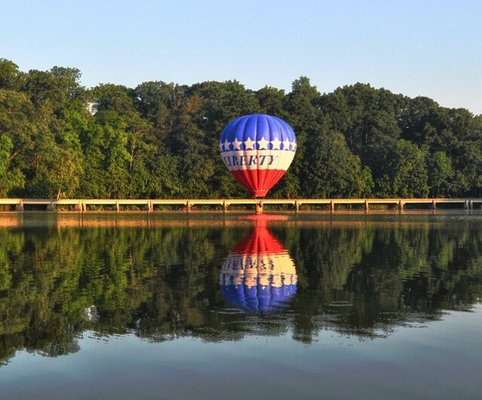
<point>160,279</point>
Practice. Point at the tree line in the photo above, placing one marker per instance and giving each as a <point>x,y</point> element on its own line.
<point>160,140</point>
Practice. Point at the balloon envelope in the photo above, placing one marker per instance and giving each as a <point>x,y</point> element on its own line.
<point>257,149</point>
<point>258,274</point>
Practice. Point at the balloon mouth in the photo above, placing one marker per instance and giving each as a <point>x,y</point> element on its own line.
<point>260,193</point>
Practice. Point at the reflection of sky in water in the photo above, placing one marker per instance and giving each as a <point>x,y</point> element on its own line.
<point>258,274</point>
<point>418,363</point>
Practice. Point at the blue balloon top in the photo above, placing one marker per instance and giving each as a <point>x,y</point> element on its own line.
<point>258,297</point>
<point>257,127</point>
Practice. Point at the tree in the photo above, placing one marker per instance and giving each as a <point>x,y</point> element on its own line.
<point>20,121</point>
<point>368,118</point>
<point>11,178</point>
<point>271,100</point>
<point>115,155</point>
<point>440,174</point>
<point>161,139</point>
<point>332,170</point>
<point>10,76</point>
<point>56,170</point>
<point>407,170</point>
<point>301,111</point>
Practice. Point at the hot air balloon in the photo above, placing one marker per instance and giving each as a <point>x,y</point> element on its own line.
<point>257,149</point>
<point>258,274</point>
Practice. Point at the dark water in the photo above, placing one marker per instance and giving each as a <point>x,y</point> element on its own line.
<point>341,307</point>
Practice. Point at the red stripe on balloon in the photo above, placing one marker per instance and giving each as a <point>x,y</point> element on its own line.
<point>259,242</point>
<point>258,181</point>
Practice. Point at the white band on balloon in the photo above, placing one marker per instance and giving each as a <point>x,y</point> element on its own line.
<point>257,159</point>
<point>276,270</point>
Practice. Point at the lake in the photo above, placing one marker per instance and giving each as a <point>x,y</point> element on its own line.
<point>307,306</point>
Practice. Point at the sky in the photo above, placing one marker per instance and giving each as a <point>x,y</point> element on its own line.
<point>414,47</point>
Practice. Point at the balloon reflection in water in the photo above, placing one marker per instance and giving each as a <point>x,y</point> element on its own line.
<point>258,274</point>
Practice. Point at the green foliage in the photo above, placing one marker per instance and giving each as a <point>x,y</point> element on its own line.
<point>407,170</point>
<point>10,76</point>
<point>160,139</point>
<point>57,174</point>
<point>323,175</point>
<point>368,118</point>
<point>10,178</point>
<point>440,174</point>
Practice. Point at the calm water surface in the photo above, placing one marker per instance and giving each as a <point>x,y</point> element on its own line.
<point>313,307</point>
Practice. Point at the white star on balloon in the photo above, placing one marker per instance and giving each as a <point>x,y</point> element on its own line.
<point>237,144</point>
<point>286,144</point>
<point>226,145</point>
<point>276,143</point>
<point>263,144</point>
<point>249,144</point>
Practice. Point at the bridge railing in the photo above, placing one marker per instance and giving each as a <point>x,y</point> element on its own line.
<point>151,205</point>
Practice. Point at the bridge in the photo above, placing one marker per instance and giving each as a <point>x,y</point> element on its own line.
<point>191,205</point>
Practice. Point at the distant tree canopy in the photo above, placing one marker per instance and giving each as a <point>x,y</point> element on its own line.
<point>160,140</point>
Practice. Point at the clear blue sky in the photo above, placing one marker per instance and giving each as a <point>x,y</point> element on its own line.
<point>425,47</point>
